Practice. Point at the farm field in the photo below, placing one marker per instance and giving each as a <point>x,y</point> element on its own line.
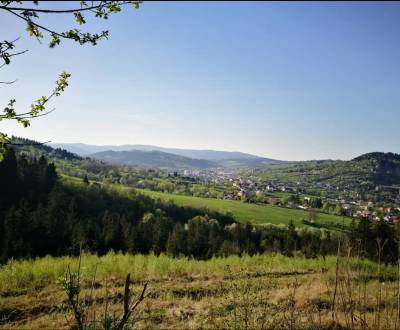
<point>268,290</point>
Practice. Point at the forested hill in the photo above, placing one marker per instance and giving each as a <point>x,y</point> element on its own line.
<point>385,167</point>
<point>368,170</point>
<point>36,149</point>
<point>379,157</point>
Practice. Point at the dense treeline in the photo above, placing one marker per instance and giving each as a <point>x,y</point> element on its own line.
<point>37,149</point>
<point>40,215</point>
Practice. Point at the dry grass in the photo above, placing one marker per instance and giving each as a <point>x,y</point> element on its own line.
<point>222,293</point>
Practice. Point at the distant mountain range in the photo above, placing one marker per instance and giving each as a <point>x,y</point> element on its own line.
<point>154,156</point>
<point>82,149</point>
<point>151,159</point>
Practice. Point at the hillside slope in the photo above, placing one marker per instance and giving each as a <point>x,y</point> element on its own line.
<point>368,170</point>
<point>385,167</point>
<point>256,214</point>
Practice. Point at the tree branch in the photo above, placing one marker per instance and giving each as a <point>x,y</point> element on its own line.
<point>35,24</point>
<point>19,53</point>
<point>66,11</point>
<point>8,82</point>
<point>129,309</point>
<point>27,115</point>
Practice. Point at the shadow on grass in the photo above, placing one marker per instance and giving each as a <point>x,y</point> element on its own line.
<point>326,225</point>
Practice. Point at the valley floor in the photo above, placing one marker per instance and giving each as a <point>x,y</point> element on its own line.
<point>261,291</point>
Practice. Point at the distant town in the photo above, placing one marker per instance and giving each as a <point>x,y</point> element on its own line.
<point>250,188</point>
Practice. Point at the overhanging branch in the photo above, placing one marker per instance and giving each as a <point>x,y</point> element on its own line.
<point>66,11</point>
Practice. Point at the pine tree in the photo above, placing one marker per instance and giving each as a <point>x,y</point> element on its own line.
<point>8,180</point>
<point>17,242</point>
<point>177,241</point>
<point>198,230</point>
<point>86,180</point>
<point>112,232</point>
<point>161,229</point>
<point>291,239</point>
<point>50,177</point>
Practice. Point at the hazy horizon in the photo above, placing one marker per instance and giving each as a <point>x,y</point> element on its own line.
<point>290,81</point>
<point>202,149</point>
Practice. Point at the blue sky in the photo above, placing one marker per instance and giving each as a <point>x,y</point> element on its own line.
<point>290,81</point>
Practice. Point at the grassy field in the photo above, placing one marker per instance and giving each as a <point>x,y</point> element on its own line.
<point>242,212</point>
<point>257,214</point>
<point>270,291</point>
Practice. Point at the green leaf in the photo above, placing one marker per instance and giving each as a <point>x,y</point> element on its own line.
<point>79,18</point>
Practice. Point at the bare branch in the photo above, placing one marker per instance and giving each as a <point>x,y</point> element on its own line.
<point>129,309</point>
<point>141,297</point>
<point>8,82</point>
<point>126,294</point>
<point>19,53</point>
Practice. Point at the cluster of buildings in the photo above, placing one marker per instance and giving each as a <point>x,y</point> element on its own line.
<point>389,215</point>
<point>245,187</point>
<point>204,176</point>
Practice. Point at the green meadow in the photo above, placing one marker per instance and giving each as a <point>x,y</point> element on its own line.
<point>242,212</point>
<point>256,214</point>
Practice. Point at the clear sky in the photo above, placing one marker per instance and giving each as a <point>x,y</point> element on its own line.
<point>289,81</point>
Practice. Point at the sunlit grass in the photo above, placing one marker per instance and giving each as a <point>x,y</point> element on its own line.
<point>242,212</point>
<point>24,274</point>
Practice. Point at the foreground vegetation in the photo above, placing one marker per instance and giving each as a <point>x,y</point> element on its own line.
<point>259,291</point>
